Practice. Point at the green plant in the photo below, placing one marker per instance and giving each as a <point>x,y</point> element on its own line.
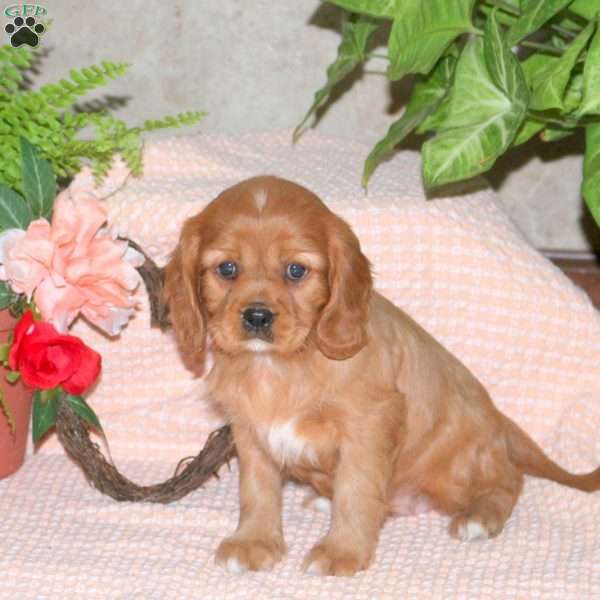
<point>16,213</point>
<point>47,118</point>
<point>490,75</point>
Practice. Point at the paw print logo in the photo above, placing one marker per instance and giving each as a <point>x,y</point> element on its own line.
<point>24,31</point>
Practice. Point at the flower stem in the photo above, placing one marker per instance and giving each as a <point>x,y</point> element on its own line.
<point>542,47</point>
<point>564,31</point>
<point>505,6</point>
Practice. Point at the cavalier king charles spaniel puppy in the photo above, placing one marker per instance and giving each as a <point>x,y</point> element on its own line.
<point>328,383</point>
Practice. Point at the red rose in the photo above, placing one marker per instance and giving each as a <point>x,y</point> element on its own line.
<point>46,358</point>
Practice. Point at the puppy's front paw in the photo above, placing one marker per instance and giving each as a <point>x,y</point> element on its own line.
<point>240,554</point>
<point>328,558</point>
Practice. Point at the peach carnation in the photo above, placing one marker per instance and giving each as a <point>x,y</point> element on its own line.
<point>73,265</point>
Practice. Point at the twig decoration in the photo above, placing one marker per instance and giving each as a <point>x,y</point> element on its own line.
<point>74,435</point>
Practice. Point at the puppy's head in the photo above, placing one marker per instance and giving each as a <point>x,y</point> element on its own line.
<point>266,267</point>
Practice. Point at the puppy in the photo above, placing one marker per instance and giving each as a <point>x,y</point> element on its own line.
<point>328,383</point>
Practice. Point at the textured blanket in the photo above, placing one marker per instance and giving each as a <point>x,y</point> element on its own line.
<point>458,266</point>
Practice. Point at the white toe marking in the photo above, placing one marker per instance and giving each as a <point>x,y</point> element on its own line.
<point>321,504</point>
<point>260,197</point>
<point>233,566</point>
<point>314,568</point>
<point>472,530</point>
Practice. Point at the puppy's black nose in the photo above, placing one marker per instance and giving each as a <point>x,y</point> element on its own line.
<point>257,317</point>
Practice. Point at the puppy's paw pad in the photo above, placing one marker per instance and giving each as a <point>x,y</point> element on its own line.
<point>327,560</point>
<point>239,555</point>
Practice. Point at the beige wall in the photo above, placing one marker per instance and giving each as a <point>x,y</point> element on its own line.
<point>254,65</point>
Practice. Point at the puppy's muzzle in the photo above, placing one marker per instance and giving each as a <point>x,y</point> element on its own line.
<point>257,320</point>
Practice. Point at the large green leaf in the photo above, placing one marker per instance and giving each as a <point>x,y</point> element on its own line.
<point>503,67</point>
<point>549,76</point>
<point>351,53</point>
<point>591,170</point>
<point>44,414</point>
<point>39,182</point>
<point>536,63</point>
<point>83,409</point>
<point>487,105</point>
<point>590,102</point>
<point>376,8</point>
<point>435,120</point>
<point>426,97</point>
<point>422,31</point>
<point>534,13</point>
<point>14,211</point>
<point>588,9</point>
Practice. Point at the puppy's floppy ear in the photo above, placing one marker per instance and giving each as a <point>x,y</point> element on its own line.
<point>342,328</point>
<point>182,293</point>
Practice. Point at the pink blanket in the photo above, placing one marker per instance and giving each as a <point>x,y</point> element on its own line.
<point>458,266</point>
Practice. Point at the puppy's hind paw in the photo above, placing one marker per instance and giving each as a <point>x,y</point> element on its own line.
<point>469,529</point>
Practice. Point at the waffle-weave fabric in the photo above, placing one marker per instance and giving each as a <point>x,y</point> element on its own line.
<point>457,265</point>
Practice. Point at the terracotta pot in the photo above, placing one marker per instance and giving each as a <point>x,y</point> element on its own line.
<point>18,397</point>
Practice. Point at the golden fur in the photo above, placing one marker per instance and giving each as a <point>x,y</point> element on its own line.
<point>344,391</point>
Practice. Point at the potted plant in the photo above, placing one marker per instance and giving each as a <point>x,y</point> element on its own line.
<point>57,262</point>
<point>57,259</point>
<point>489,75</point>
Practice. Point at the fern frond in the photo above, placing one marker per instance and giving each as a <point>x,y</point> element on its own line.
<point>65,93</point>
<point>19,57</point>
<point>12,62</point>
<point>179,120</point>
<point>45,117</point>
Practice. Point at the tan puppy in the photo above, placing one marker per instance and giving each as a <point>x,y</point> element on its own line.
<point>325,381</point>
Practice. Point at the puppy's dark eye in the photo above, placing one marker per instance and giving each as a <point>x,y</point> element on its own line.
<point>227,270</point>
<point>295,271</point>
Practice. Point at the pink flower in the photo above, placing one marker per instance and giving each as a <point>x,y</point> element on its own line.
<point>73,266</point>
<point>24,256</point>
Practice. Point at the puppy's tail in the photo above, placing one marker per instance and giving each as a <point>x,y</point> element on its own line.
<point>526,455</point>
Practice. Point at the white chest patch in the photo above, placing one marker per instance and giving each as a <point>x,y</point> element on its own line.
<point>286,446</point>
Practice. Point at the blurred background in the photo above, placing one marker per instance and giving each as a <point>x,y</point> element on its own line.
<point>254,65</point>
